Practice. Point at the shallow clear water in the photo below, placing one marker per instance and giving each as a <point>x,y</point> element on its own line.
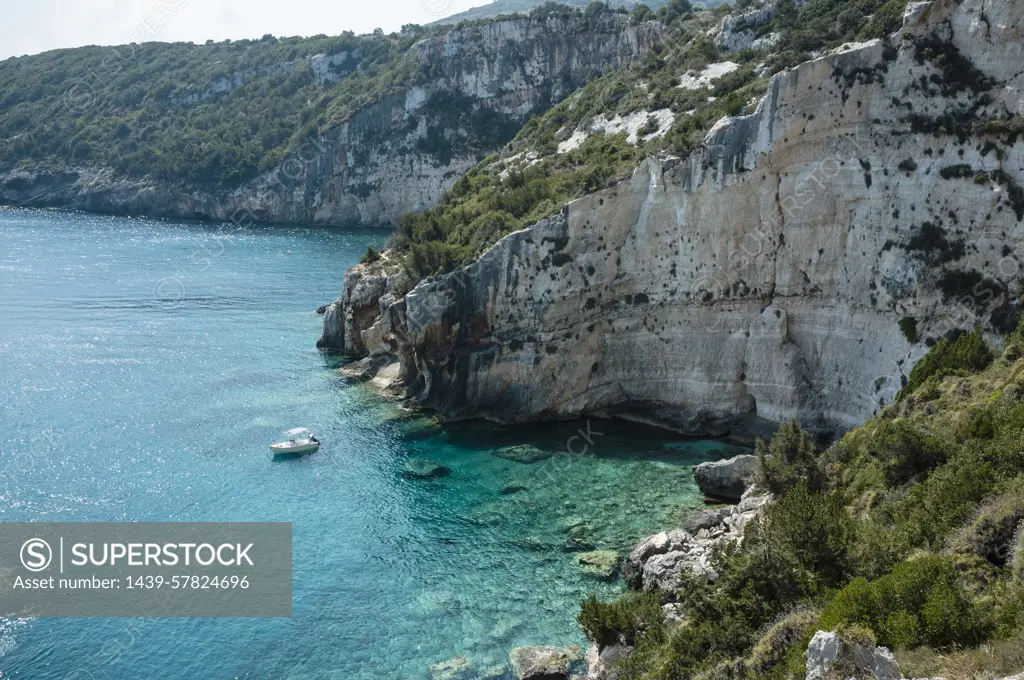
<point>144,367</point>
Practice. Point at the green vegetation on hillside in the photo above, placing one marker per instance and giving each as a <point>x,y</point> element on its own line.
<point>506,7</point>
<point>132,107</point>
<point>219,114</point>
<point>907,531</point>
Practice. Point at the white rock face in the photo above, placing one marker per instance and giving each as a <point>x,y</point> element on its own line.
<point>736,32</point>
<point>710,74</point>
<point>726,479</point>
<point>826,648</point>
<point>635,125</point>
<point>639,126</point>
<point>660,561</point>
<point>766,273</point>
<point>396,155</point>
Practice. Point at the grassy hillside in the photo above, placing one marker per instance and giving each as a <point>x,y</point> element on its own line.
<point>531,179</point>
<point>500,7</point>
<point>907,532</point>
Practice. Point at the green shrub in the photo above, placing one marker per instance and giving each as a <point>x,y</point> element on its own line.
<point>996,526</point>
<point>907,165</point>
<point>776,646</point>
<point>814,528</point>
<point>905,451</point>
<point>908,326</point>
<point>927,512</point>
<point>877,548</point>
<point>624,621</point>
<point>920,603</point>
<point>959,171</point>
<point>968,351</point>
<point>370,256</point>
<point>930,243</point>
<point>787,460</point>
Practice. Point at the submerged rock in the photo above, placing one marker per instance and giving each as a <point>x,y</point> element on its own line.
<point>543,663</point>
<point>580,538</point>
<point>458,668</point>
<point>522,453</point>
<point>494,673</point>
<point>600,563</point>
<point>418,429</point>
<point>726,479</point>
<point>533,544</point>
<point>419,468</point>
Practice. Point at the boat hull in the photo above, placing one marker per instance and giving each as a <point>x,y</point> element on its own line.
<point>289,448</point>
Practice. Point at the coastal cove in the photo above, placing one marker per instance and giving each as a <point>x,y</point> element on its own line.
<point>146,364</point>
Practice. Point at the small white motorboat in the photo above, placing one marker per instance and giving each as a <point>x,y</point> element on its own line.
<point>300,440</point>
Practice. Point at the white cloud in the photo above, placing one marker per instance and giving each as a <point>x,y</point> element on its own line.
<point>39,25</point>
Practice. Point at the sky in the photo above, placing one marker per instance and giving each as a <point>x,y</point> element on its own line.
<point>33,26</point>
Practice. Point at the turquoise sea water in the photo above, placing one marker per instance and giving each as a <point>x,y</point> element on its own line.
<point>144,367</point>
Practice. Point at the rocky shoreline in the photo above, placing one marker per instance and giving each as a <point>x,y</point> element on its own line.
<point>658,564</point>
<point>655,564</point>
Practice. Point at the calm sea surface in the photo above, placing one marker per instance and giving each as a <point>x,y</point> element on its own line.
<point>144,367</point>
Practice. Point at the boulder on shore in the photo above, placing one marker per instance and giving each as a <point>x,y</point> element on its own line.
<point>726,479</point>
<point>703,519</point>
<point>605,664</point>
<point>659,562</point>
<point>856,658</point>
<point>543,663</point>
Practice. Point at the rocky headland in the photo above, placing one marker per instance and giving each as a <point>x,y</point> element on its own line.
<point>796,265</point>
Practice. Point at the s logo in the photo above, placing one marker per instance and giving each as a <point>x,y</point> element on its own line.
<point>36,554</point>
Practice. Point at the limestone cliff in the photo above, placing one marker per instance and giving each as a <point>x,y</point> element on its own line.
<point>395,155</point>
<point>767,272</point>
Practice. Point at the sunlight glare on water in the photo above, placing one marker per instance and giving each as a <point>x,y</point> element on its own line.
<point>145,365</point>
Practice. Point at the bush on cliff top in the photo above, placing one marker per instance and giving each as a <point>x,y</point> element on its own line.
<point>920,602</point>
<point>968,351</point>
<point>788,459</point>
<point>490,202</point>
<point>628,620</point>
